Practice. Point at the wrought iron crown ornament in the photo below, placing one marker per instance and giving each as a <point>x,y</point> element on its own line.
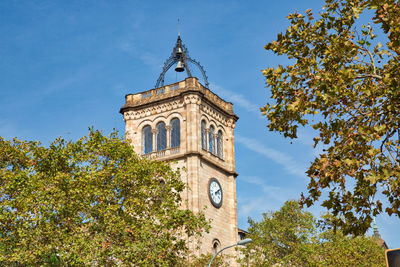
<point>180,57</point>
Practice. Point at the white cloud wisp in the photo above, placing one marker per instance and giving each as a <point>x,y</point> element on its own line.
<point>286,161</point>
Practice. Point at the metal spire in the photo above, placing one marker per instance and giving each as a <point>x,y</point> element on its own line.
<point>179,28</point>
<point>180,57</point>
<point>376,231</point>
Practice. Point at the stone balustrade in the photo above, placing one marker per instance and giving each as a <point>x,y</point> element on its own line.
<point>162,153</point>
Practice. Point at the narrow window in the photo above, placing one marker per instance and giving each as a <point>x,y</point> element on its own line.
<point>220,150</point>
<point>216,245</point>
<point>175,133</point>
<point>203,135</point>
<point>161,136</point>
<point>211,141</point>
<point>147,138</point>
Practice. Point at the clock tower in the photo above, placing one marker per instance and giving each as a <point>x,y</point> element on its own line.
<point>188,125</point>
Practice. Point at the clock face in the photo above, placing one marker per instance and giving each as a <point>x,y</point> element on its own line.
<point>215,192</point>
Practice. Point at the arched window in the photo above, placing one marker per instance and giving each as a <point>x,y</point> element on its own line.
<point>161,136</point>
<point>147,138</point>
<point>211,141</point>
<point>203,135</point>
<point>220,151</point>
<point>216,245</point>
<point>175,132</point>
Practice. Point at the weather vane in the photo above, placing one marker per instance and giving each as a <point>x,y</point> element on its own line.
<point>180,57</point>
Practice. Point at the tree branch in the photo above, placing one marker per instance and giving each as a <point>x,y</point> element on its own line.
<point>369,76</point>
<point>371,57</point>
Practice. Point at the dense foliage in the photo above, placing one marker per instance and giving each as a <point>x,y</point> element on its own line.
<point>344,82</point>
<point>292,237</point>
<point>90,202</point>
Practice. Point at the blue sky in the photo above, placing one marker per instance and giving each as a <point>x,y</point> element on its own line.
<point>67,65</point>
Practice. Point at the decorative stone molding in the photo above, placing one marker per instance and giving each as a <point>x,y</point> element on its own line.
<point>212,113</point>
<point>192,99</point>
<point>231,123</point>
<point>138,114</point>
<point>162,153</point>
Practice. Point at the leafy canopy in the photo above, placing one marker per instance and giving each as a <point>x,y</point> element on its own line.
<point>90,202</point>
<point>292,237</point>
<point>344,82</point>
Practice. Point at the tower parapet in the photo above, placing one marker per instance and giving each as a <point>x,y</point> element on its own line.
<point>170,91</point>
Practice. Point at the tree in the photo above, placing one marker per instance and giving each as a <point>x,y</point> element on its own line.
<point>90,202</point>
<point>345,84</point>
<point>292,237</point>
<point>204,259</point>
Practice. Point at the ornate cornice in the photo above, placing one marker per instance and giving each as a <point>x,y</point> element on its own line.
<point>192,99</point>
<point>213,113</point>
<point>133,114</point>
<point>190,90</point>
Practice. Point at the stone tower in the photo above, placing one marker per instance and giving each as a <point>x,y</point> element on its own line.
<point>190,126</point>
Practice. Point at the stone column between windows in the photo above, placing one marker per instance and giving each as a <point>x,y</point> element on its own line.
<point>221,146</point>
<point>168,137</point>
<point>215,152</point>
<point>154,136</point>
<point>206,140</point>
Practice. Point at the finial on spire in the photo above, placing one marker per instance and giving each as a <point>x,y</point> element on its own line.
<point>375,229</point>
<point>377,236</point>
<point>179,29</point>
<point>180,57</point>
